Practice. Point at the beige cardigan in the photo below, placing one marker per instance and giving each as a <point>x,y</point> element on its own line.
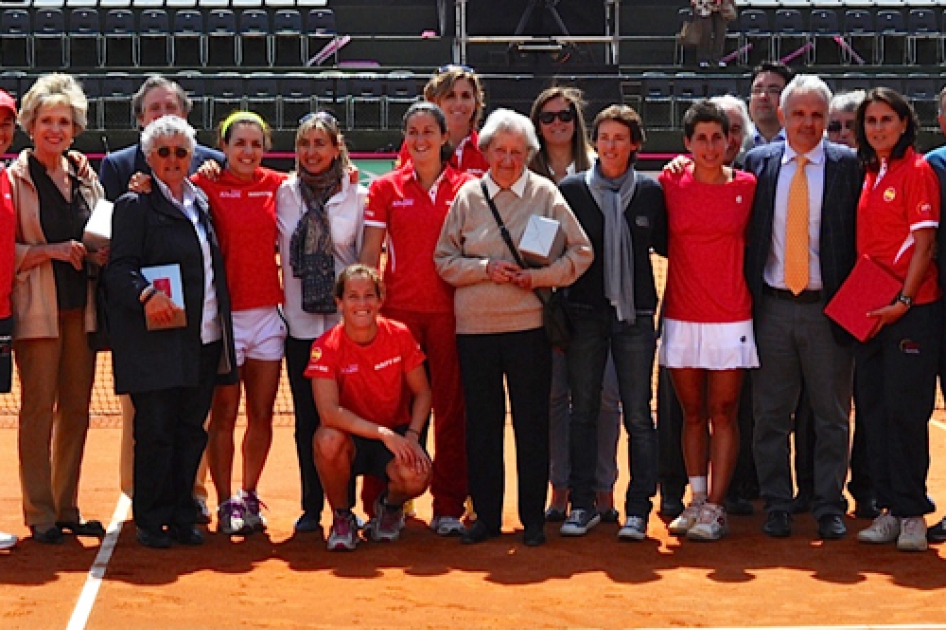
<point>470,238</point>
<point>35,313</point>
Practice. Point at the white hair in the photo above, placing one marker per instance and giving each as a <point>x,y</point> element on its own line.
<point>806,83</point>
<point>727,102</point>
<point>506,120</point>
<point>847,101</point>
<point>164,127</point>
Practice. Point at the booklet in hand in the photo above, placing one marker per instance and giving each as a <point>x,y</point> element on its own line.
<point>868,288</point>
<point>167,279</point>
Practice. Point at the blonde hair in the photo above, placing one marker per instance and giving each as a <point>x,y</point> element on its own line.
<point>327,123</point>
<point>55,89</point>
<point>441,83</point>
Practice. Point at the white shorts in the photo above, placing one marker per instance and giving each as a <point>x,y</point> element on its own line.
<point>728,346</point>
<point>259,334</point>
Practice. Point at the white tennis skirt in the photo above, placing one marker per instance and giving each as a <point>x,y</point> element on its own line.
<point>728,346</point>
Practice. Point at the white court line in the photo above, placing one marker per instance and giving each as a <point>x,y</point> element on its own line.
<point>80,614</point>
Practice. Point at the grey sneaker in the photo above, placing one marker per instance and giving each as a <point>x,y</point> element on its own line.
<point>344,535</point>
<point>635,528</point>
<point>386,524</point>
<point>447,526</point>
<point>884,529</point>
<point>7,541</point>
<point>253,515</point>
<point>231,517</point>
<point>580,522</point>
<point>912,534</point>
<point>687,519</point>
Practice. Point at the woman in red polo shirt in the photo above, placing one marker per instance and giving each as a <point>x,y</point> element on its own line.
<point>407,207</point>
<point>897,218</point>
<point>243,207</point>
<point>457,91</point>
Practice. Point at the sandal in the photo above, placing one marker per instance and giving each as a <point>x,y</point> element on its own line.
<point>88,528</point>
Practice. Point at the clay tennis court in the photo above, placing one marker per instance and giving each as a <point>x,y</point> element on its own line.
<point>277,580</point>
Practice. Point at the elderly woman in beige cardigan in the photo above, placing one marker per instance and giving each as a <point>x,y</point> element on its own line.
<point>499,320</point>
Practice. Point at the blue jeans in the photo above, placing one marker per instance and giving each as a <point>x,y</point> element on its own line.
<point>596,331</point>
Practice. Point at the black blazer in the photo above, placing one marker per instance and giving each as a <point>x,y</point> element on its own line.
<point>118,167</point>
<point>148,230</point>
<point>842,188</point>
<point>646,216</point>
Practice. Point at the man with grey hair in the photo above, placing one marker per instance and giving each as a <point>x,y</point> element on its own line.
<point>740,127</point>
<point>841,117</point>
<point>801,247</point>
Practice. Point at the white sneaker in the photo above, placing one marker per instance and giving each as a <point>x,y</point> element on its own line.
<point>912,534</point>
<point>447,526</point>
<point>7,541</point>
<point>884,529</point>
<point>253,516</point>
<point>687,519</point>
<point>231,517</point>
<point>712,524</point>
<point>635,528</point>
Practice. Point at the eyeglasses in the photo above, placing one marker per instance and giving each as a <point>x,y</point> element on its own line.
<point>565,115</point>
<point>179,152</point>
<point>322,116</point>
<point>452,67</point>
<point>835,126</point>
<point>768,91</point>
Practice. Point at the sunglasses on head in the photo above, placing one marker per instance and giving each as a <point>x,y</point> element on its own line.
<point>179,152</point>
<point>450,67</point>
<point>565,115</point>
<point>322,116</point>
<point>835,126</point>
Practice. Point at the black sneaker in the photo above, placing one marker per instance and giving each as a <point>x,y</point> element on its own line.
<point>580,522</point>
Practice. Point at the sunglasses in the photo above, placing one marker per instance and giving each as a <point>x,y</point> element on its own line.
<point>321,116</point>
<point>565,115</point>
<point>451,67</point>
<point>179,152</point>
<point>835,126</point>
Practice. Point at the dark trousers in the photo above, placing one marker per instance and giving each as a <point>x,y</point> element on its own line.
<point>307,421</point>
<point>861,484</point>
<point>896,380</point>
<point>169,441</point>
<point>525,359</point>
<point>632,345</point>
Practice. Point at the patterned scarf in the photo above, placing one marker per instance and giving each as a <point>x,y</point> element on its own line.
<point>311,251</point>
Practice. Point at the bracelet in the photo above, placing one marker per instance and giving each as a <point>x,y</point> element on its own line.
<point>906,300</point>
<point>148,293</point>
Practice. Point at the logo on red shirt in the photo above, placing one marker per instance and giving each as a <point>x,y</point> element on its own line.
<point>890,194</point>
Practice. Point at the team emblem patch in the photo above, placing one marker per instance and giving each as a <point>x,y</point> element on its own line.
<point>890,194</point>
<point>315,355</point>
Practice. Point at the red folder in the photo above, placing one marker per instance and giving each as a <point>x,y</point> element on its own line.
<point>868,288</point>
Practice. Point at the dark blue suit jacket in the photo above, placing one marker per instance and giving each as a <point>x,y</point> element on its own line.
<point>937,159</point>
<point>842,188</point>
<point>118,167</point>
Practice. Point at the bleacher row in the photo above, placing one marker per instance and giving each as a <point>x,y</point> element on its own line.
<point>826,36</point>
<point>663,98</point>
<point>92,37</point>
<point>366,101</point>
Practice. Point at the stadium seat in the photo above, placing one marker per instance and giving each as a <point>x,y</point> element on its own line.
<point>147,4</point>
<point>92,87</point>
<point>255,40</point>
<point>825,33</point>
<point>10,81</point>
<point>402,90</point>
<point>180,4</point>
<point>85,38</point>
<point>922,90</point>
<point>188,45</point>
<point>154,40</point>
<point>321,31</point>
<point>860,34</point>
<point>49,39</point>
<point>296,100</point>
<point>226,92</point>
<point>48,4</point>
<point>366,101</point>
<point>80,4</point>
<point>790,34</point>
<point>247,4</point>
<point>688,88</point>
<point>924,38</point>
<point>891,37</point>
<point>116,111</point>
<point>262,96</point>
<point>119,38</point>
<point>658,105</point>
<point>16,45</point>
<point>114,4</point>
<point>195,85</point>
<point>755,34</point>
<point>223,45</point>
<point>330,90</point>
<point>289,49</point>
<point>721,85</point>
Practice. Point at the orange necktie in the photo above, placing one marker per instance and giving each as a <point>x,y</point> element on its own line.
<point>796,230</point>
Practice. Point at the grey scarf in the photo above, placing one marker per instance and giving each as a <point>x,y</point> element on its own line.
<point>612,197</point>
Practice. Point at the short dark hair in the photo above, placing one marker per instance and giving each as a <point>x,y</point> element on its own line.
<point>775,67</point>
<point>904,111</point>
<point>358,269</point>
<point>432,109</point>
<point>704,112</point>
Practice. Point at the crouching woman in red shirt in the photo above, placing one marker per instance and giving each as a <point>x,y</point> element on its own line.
<point>373,398</point>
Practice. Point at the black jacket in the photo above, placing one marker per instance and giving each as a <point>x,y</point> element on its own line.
<point>646,216</point>
<point>148,230</point>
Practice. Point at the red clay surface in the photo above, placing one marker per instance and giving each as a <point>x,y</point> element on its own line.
<point>422,581</point>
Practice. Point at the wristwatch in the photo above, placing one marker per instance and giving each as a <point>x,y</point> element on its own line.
<point>904,299</point>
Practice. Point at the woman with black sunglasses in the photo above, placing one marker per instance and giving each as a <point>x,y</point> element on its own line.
<point>320,217</point>
<point>171,332</point>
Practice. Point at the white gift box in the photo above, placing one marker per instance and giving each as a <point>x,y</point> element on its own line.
<point>542,242</point>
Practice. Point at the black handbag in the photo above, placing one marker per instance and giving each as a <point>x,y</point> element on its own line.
<point>6,354</point>
<point>558,327</point>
